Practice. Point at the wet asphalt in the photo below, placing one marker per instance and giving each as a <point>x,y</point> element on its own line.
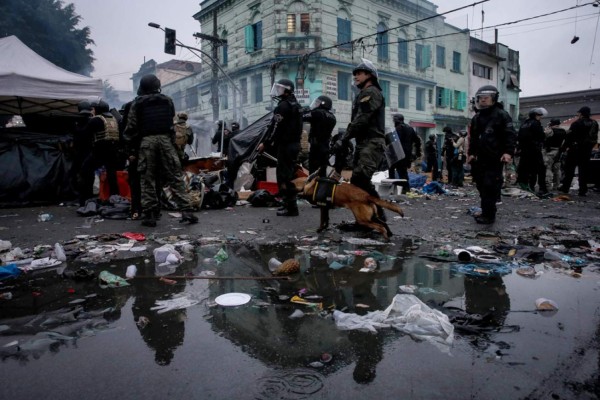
<point>65,338</point>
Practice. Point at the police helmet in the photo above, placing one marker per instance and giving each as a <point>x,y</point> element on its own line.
<point>100,106</point>
<point>487,90</point>
<point>366,66</point>
<point>321,102</point>
<point>149,84</point>
<point>84,107</point>
<point>432,136</point>
<point>282,87</point>
<point>537,111</point>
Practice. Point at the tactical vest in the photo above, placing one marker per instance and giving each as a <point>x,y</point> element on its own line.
<point>181,135</point>
<point>110,131</point>
<point>155,115</point>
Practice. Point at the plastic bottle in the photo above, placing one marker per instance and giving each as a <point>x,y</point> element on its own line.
<point>553,255</point>
<point>274,264</point>
<point>59,252</point>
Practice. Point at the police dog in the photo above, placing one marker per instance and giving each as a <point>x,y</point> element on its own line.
<point>361,203</point>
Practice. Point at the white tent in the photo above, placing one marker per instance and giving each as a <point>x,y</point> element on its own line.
<point>30,84</point>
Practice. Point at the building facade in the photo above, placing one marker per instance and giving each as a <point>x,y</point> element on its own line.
<point>424,64</point>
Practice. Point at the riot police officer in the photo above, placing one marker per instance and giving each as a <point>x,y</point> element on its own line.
<point>284,134</point>
<point>103,132</point>
<point>492,143</point>
<point>367,127</point>
<point>322,121</point>
<point>150,124</point>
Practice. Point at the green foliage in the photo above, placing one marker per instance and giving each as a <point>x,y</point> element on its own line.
<point>50,30</point>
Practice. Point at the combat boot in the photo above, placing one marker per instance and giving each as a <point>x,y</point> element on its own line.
<point>149,219</point>
<point>187,216</point>
<point>289,212</point>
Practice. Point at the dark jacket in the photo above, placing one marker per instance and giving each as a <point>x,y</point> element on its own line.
<point>556,139</point>
<point>286,125</point>
<point>431,152</point>
<point>322,123</point>
<point>410,140</point>
<point>492,134</point>
<point>531,135</point>
<point>583,133</point>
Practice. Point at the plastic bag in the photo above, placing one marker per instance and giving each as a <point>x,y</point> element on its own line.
<point>108,280</point>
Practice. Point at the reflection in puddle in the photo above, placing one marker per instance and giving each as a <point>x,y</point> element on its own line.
<point>289,385</point>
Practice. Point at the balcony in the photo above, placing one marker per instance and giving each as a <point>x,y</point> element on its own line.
<point>296,45</point>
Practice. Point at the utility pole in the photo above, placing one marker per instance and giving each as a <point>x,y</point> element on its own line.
<point>215,71</point>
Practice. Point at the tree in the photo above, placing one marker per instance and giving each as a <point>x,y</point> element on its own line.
<point>50,30</point>
<point>110,95</point>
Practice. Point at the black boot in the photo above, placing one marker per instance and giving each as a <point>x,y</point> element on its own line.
<point>149,219</point>
<point>187,216</point>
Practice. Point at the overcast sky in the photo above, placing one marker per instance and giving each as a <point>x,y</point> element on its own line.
<point>549,62</point>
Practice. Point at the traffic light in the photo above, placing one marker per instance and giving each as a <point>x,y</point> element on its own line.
<point>170,38</point>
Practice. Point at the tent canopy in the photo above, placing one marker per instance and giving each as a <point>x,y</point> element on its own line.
<point>30,84</point>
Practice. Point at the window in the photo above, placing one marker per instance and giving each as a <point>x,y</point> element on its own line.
<point>223,97</point>
<point>455,61</point>
<point>305,23</point>
<point>420,99</point>
<point>257,87</point>
<point>224,53</point>
<point>291,23</point>
<point>383,53</point>
<point>440,56</point>
<point>344,33</point>
<point>178,100</point>
<point>482,71</point>
<point>385,89</point>
<point>253,37</point>
<point>344,79</point>
<point>402,52</point>
<point>244,90</point>
<point>459,100</point>
<point>402,96</point>
<point>191,97</point>
<point>443,97</point>
<point>423,56</point>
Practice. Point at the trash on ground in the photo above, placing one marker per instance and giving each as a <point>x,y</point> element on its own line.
<point>370,265</point>
<point>233,299</point>
<point>108,280</point>
<point>543,304</point>
<point>296,314</point>
<point>9,271</point>
<point>131,272</point>
<point>288,267</point>
<point>167,254</point>
<point>177,303</point>
<point>221,256</point>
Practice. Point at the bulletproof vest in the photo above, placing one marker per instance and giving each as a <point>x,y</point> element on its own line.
<point>110,131</point>
<point>322,125</point>
<point>155,115</point>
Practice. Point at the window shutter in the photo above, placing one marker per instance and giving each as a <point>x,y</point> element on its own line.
<point>249,35</point>
<point>447,98</point>
<point>463,100</point>
<point>426,56</point>
<point>258,35</point>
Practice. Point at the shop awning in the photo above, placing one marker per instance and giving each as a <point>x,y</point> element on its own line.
<point>421,124</point>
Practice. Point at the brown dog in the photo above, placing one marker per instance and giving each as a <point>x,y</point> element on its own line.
<point>361,203</point>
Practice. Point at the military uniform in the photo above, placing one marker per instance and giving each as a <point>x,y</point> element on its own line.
<point>150,124</point>
<point>367,128</point>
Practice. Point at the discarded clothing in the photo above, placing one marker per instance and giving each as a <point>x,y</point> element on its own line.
<point>433,187</point>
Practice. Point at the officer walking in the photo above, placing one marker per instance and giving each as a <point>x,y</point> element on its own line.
<point>448,151</point>
<point>151,124</point>
<point>367,127</point>
<point>411,144</point>
<point>431,157</point>
<point>492,143</point>
<point>284,134</point>
<point>322,121</point>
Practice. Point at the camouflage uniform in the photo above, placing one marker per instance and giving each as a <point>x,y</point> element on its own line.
<point>151,124</point>
<point>367,127</point>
